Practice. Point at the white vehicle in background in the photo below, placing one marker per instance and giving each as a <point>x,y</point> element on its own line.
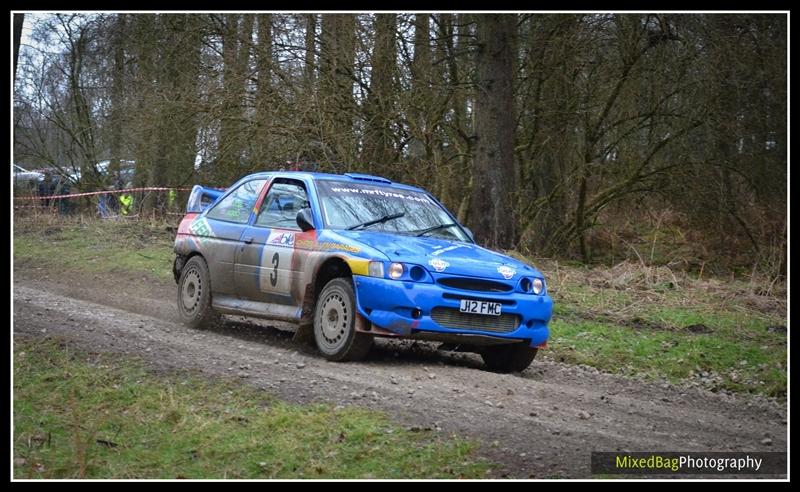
<point>27,181</point>
<point>22,174</point>
<point>127,168</point>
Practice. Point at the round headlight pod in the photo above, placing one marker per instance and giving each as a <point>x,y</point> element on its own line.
<point>526,285</point>
<point>538,286</point>
<point>395,270</point>
<point>416,273</point>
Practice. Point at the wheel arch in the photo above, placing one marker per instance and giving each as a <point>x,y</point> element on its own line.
<point>181,260</point>
<point>331,268</point>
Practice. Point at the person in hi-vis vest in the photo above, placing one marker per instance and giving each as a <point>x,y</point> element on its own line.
<point>171,196</point>
<point>125,203</point>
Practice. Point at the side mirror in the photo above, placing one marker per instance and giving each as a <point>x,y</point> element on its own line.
<point>305,220</point>
<point>469,233</point>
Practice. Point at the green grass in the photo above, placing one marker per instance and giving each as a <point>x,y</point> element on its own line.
<point>124,246</point>
<point>707,328</point>
<point>736,365</point>
<point>617,320</point>
<point>98,416</point>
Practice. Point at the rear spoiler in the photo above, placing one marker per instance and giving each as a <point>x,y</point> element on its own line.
<point>201,198</point>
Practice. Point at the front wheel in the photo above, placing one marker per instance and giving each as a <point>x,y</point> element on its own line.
<point>508,358</point>
<point>335,323</point>
<point>194,295</point>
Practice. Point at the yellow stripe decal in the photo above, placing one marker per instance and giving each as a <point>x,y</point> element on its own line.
<point>358,266</point>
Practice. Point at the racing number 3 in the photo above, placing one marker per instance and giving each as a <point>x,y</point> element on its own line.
<point>273,277</point>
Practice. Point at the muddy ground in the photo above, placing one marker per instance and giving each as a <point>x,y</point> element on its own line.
<point>542,423</point>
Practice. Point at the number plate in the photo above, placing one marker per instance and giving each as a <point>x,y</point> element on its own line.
<point>480,307</point>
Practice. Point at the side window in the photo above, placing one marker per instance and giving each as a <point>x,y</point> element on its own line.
<point>237,206</point>
<point>280,207</point>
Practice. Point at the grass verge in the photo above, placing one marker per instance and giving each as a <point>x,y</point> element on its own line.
<point>119,246</point>
<point>631,319</point>
<point>714,333</point>
<point>79,415</point>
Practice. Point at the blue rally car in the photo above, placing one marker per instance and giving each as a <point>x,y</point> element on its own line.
<point>351,257</point>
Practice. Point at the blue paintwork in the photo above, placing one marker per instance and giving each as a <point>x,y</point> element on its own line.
<point>388,303</point>
<point>367,177</point>
<point>464,258</point>
<point>195,202</point>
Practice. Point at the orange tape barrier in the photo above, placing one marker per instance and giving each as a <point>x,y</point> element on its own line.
<point>90,193</point>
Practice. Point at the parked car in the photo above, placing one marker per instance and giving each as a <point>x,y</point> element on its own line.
<point>124,177</point>
<point>351,257</point>
<point>25,181</point>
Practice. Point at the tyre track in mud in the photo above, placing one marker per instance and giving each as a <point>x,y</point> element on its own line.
<point>542,423</point>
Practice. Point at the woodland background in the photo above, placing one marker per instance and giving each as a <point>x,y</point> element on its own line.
<point>597,137</point>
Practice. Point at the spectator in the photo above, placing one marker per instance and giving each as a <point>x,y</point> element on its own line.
<point>115,203</point>
<point>63,188</point>
<point>102,206</point>
<point>171,196</point>
<point>46,188</point>
<point>125,203</point>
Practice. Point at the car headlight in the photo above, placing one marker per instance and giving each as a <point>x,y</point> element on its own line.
<point>538,286</point>
<point>376,269</point>
<point>395,270</point>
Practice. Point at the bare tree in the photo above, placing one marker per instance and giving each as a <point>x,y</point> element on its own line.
<point>552,134</point>
<point>19,19</point>
<point>493,168</point>
<point>378,151</point>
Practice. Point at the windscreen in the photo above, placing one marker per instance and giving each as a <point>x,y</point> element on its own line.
<point>348,205</point>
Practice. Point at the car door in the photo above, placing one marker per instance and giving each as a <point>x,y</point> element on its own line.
<point>269,250</point>
<point>220,229</point>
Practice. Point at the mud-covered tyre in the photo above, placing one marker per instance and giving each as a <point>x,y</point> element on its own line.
<point>335,323</point>
<point>194,295</point>
<point>508,358</point>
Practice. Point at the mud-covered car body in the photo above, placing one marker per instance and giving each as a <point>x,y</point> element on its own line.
<point>262,263</point>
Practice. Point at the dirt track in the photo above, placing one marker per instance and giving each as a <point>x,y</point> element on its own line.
<point>541,423</point>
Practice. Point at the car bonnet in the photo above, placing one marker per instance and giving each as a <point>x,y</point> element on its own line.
<point>443,256</point>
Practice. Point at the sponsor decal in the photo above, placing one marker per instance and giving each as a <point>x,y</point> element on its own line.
<point>438,264</point>
<point>381,193</point>
<point>282,238</point>
<point>325,246</point>
<point>506,272</point>
<point>200,227</point>
<point>201,231</point>
<point>449,248</point>
<point>305,243</point>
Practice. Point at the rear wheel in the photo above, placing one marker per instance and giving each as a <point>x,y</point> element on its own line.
<point>335,323</point>
<point>508,358</point>
<point>194,295</point>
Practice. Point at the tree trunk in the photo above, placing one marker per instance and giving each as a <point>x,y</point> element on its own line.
<point>18,21</point>
<point>235,54</point>
<point>310,66</point>
<point>492,220</point>
<point>264,97</point>
<point>117,98</point>
<point>337,56</point>
<point>377,152</point>
<point>420,101</point>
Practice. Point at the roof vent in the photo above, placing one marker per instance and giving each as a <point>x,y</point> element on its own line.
<point>367,177</point>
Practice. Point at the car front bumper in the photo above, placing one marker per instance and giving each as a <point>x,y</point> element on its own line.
<point>406,308</point>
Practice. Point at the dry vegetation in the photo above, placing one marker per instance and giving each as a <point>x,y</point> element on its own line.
<point>726,333</point>
<point>585,136</point>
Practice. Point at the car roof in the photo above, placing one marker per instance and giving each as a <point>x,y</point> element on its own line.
<point>351,177</point>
